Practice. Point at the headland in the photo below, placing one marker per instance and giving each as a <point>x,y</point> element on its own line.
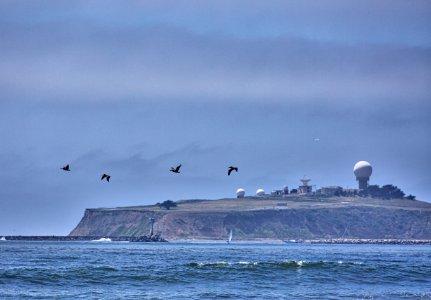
<point>309,218</point>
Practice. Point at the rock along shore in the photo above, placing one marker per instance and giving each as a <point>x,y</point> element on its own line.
<point>56,238</point>
<point>368,241</point>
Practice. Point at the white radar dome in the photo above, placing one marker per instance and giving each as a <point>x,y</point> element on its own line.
<point>260,192</point>
<point>240,193</point>
<point>362,169</point>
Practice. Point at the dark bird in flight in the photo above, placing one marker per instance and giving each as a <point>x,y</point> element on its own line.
<point>232,168</point>
<point>66,168</point>
<point>175,170</point>
<point>106,176</point>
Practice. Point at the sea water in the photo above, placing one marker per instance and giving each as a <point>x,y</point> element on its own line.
<point>89,270</point>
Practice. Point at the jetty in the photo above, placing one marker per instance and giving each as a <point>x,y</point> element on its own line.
<point>57,238</point>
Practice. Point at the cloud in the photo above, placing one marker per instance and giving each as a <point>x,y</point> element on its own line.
<point>377,21</point>
<point>165,63</point>
<point>334,51</point>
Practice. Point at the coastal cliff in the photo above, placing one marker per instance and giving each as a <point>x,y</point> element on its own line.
<point>254,218</point>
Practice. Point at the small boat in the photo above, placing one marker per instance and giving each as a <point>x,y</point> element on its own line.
<point>102,240</point>
<point>229,239</point>
<point>2,238</point>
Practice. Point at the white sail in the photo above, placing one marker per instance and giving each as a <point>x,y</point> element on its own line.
<point>230,236</point>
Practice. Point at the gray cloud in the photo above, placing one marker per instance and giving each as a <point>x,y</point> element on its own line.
<point>142,51</point>
<point>383,21</point>
<point>171,64</point>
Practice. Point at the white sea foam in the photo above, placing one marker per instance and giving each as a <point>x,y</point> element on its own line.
<point>349,263</point>
<point>253,263</point>
<point>224,263</point>
<point>102,240</point>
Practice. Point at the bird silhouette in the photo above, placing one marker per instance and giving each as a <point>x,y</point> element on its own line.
<point>66,168</point>
<point>175,170</point>
<point>232,168</point>
<point>106,176</point>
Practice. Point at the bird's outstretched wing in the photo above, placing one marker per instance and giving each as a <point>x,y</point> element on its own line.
<point>176,169</point>
<point>232,168</point>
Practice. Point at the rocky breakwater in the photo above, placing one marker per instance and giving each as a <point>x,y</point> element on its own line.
<point>57,238</point>
<point>368,241</point>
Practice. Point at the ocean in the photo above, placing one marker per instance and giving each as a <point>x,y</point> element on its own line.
<point>119,270</point>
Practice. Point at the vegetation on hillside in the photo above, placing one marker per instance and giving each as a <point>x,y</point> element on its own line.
<point>384,192</point>
<point>387,191</point>
<point>168,204</point>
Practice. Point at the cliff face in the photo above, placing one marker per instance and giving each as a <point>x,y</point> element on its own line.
<point>293,223</point>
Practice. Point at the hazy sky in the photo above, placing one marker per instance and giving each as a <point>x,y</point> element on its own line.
<point>131,88</point>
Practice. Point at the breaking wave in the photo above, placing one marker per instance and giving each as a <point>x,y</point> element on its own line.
<point>281,264</point>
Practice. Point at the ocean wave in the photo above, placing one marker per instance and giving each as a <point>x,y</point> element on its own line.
<point>291,263</point>
<point>209,264</point>
<point>87,275</point>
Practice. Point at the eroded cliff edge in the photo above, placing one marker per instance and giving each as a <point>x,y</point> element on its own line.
<point>291,218</point>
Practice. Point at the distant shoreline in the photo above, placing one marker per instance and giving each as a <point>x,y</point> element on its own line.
<point>313,241</point>
<point>263,241</point>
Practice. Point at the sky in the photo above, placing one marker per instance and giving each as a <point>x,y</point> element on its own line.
<point>281,89</point>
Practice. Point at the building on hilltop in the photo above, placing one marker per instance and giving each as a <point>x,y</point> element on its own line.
<point>362,171</point>
<point>260,193</point>
<point>240,193</point>
<point>305,188</point>
<point>277,193</point>
<point>331,190</point>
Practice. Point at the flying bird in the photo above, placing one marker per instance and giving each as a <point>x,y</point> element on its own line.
<point>66,168</point>
<point>175,170</point>
<point>106,176</point>
<point>232,168</point>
